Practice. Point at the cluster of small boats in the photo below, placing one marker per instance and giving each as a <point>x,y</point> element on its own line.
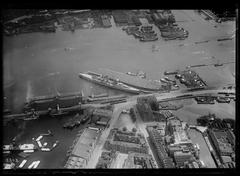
<point>144,33</point>
<point>43,147</point>
<point>173,32</point>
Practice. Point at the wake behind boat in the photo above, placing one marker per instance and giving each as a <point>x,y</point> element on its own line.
<point>108,82</point>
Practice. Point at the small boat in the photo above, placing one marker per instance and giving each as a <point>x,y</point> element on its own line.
<point>132,74</point>
<point>36,164</point>
<point>39,144</point>
<point>166,78</point>
<point>218,65</point>
<point>45,149</point>
<point>22,163</point>
<point>170,73</point>
<point>163,80</point>
<point>45,144</point>
<point>55,144</point>
<point>39,138</point>
<point>31,165</point>
<point>28,151</point>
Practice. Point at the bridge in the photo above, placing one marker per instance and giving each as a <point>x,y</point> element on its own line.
<point>161,97</point>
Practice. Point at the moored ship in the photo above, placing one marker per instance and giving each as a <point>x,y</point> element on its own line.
<point>105,81</point>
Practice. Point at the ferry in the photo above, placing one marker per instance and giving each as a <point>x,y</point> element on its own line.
<point>104,81</point>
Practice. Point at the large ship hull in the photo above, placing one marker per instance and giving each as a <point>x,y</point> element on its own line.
<point>90,78</point>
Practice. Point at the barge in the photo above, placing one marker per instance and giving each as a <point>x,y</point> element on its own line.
<point>105,81</point>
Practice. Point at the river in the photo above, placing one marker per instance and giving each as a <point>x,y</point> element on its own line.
<point>40,65</point>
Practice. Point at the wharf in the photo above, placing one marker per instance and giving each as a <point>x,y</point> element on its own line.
<point>133,81</point>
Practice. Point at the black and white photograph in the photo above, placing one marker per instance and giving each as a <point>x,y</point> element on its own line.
<point>119,88</point>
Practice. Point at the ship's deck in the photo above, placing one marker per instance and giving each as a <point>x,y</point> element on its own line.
<point>131,80</point>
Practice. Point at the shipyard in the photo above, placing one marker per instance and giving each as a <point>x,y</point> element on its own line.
<point>118,89</point>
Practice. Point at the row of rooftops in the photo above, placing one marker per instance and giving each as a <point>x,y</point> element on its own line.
<point>139,160</point>
<point>221,141</point>
<point>165,160</point>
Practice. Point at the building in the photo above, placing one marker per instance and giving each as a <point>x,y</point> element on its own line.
<point>120,17</point>
<point>106,159</point>
<point>139,160</point>
<point>83,148</point>
<point>220,141</point>
<point>163,160</point>
<point>125,142</point>
<point>231,137</point>
<point>102,113</point>
<point>181,157</point>
<point>175,148</point>
<point>106,21</point>
<point>176,129</point>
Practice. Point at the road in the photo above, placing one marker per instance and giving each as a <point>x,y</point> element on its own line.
<point>130,103</point>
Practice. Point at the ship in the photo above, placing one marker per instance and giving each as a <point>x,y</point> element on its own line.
<point>108,82</point>
<point>144,85</point>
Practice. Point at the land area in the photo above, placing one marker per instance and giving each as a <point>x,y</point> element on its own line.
<point>32,55</point>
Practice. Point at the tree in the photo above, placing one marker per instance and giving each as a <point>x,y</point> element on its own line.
<point>124,129</point>
<point>132,115</point>
<point>134,130</point>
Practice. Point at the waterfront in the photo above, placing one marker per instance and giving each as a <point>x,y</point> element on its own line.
<point>35,57</point>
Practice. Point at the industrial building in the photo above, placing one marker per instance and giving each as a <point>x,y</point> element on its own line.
<point>83,148</point>
<point>220,140</point>
<point>125,141</point>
